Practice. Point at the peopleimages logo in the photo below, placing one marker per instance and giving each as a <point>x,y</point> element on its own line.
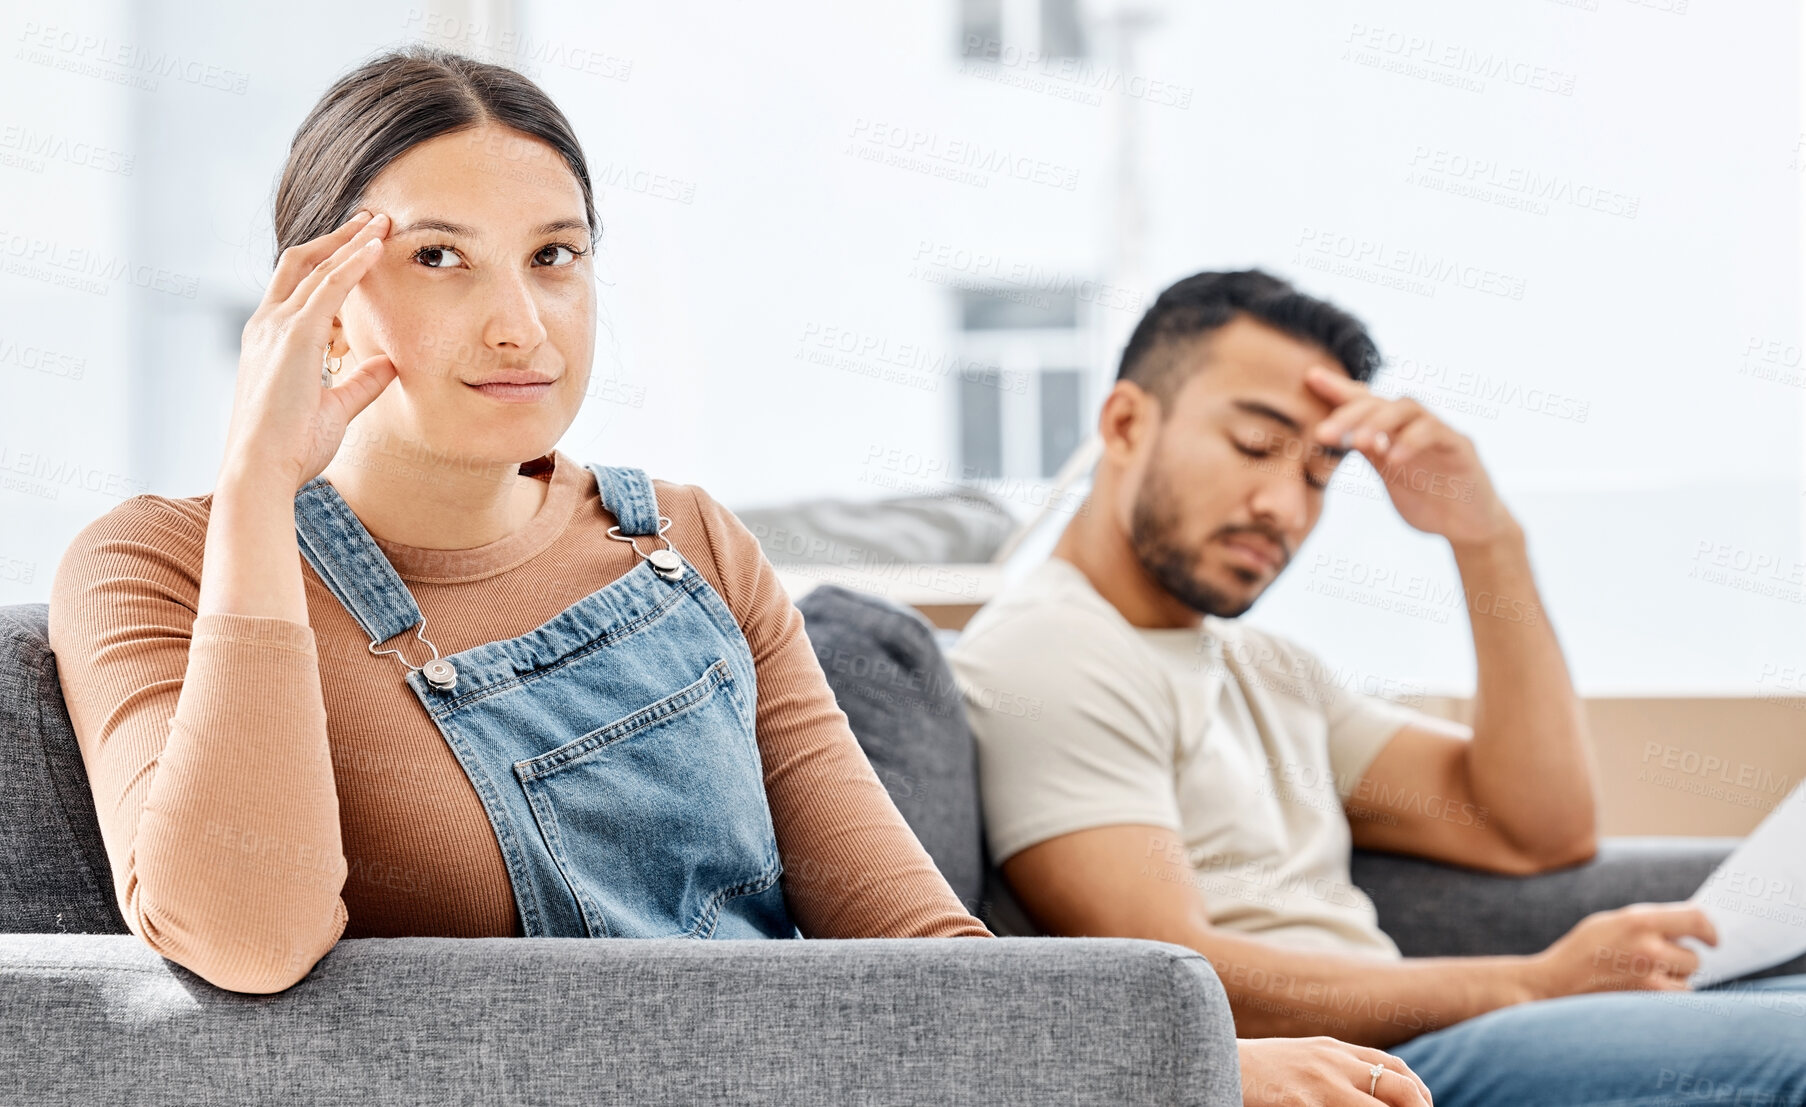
<point>48,259</point>
<point>1069,77</point>
<point>56,363</point>
<point>1513,186</point>
<point>1426,56</point>
<point>997,273</point>
<point>517,49</point>
<point>59,472</point>
<point>24,146</point>
<point>1419,269</point>
<point>909,363</point>
<point>1474,393</point>
<point>102,56</point>
<point>913,144</point>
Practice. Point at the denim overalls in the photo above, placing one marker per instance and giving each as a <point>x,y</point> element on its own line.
<point>613,747</point>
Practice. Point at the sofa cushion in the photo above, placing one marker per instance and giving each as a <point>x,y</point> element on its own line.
<point>965,526</point>
<point>881,660</point>
<point>1434,910</point>
<point>53,865</point>
<point>891,679</point>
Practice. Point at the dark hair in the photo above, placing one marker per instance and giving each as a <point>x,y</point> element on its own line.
<point>389,105</point>
<point>1204,302</point>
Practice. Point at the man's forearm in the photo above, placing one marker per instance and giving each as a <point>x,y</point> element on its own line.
<point>1281,992</point>
<point>1530,764</point>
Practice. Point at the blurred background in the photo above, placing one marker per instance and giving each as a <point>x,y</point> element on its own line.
<point>864,251</point>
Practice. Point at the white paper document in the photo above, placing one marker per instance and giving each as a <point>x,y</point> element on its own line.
<point>1757,898</point>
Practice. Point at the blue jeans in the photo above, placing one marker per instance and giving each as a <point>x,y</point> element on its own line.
<point>1740,1044</point>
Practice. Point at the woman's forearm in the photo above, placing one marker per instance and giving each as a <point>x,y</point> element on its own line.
<point>252,564</point>
<point>237,862</point>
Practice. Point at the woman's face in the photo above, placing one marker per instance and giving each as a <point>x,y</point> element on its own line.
<point>485,278</point>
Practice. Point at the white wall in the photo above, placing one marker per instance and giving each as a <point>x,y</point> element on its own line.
<point>743,229</point>
<point>69,162</point>
<point>1683,128</point>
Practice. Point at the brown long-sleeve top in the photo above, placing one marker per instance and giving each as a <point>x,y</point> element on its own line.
<point>203,739</point>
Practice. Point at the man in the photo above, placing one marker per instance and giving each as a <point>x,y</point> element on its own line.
<point>1151,768</point>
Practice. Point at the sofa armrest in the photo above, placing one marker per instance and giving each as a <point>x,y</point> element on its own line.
<point>103,1019</point>
<point>1435,910</point>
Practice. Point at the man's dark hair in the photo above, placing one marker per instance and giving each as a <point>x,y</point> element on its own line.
<point>1204,302</point>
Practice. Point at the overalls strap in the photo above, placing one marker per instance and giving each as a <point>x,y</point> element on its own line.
<point>614,746</point>
<point>336,544</point>
<point>627,494</point>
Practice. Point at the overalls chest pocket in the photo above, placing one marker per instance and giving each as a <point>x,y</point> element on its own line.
<point>658,819</point>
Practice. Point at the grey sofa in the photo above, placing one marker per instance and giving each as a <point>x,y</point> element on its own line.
<point>89,1015</point>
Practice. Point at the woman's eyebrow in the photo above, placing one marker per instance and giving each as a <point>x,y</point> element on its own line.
<point>444,226</point>
<point>441,225</point>
<point>557,225</point>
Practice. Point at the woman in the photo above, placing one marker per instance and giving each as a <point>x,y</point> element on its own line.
<point>391,677</point>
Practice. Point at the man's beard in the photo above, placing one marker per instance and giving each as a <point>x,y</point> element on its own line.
<point>1154,527</point>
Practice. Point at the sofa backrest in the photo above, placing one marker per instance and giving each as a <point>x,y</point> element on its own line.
<point>54,877</point>
<point>882,661</point>
<point>892,680</point>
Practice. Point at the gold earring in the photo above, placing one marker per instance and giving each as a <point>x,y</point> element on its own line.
<point>329,363</point>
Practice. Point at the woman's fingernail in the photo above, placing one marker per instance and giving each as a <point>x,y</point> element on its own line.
<point>362,213</point>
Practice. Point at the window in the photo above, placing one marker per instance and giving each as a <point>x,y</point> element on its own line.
<point>1061,35</point>
<point>1061,412</point>
<point>1022,402</point>
<point>982,310</point>
<point>980,426</point>
<point>1009,30</point>
<point>980,28</point>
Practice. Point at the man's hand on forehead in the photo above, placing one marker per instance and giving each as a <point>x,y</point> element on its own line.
<point>1360,420</point>
<point>1432,472</point>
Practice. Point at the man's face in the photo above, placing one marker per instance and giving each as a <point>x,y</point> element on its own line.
<point>1233,483</point>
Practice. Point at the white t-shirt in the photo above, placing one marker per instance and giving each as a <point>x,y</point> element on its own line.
<point>1241,742</point>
